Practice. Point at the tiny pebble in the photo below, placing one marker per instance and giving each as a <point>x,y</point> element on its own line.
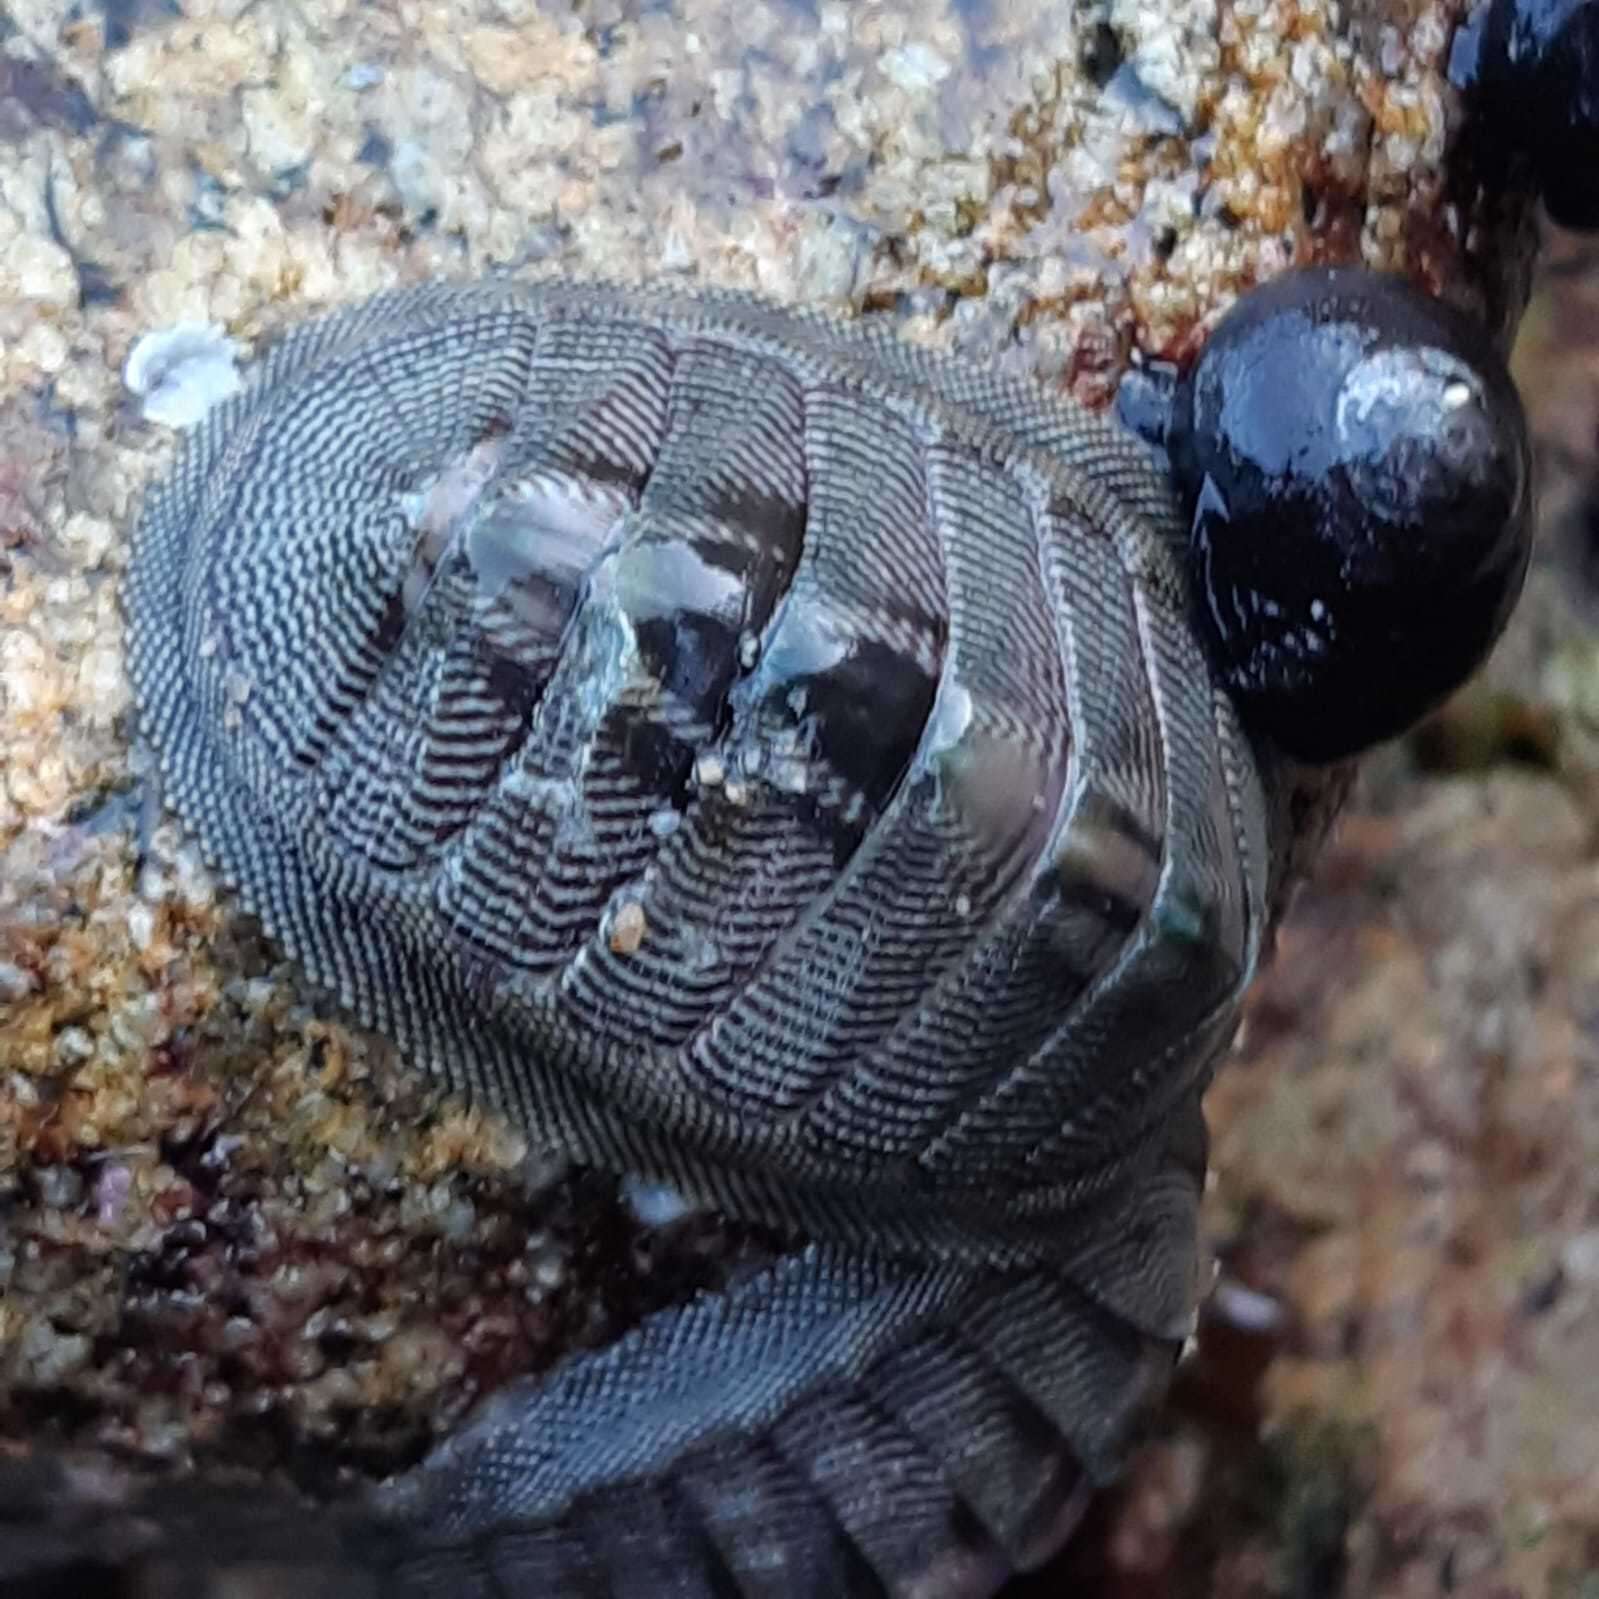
<point>1246,1308</point>
<point>458,1219</point>
<point>60,1187</point>
<point>112,1190</point>
<point>73,1046</point>
<point>628,928</point>
<point>654,1204</point>
<point>15,984</point>
<point>549,1269</point>
<point>48,1356</point>
<point>238,1332</point>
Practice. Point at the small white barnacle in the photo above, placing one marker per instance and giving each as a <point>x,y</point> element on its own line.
<point>700,950</point>
<point>709,772</point>
<point>181,372</point>
<point>792,776</point>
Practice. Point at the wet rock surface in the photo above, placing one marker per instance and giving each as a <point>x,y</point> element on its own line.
<point>232,1228</point>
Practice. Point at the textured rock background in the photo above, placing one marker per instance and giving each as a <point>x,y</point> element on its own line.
<point>231,1228</point>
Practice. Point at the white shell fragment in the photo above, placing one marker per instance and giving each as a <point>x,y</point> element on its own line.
<point>181,372</point>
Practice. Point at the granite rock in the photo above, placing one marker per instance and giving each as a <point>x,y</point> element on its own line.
<point>233,1229</point>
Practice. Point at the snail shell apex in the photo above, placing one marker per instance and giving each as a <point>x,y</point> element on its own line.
<point>1530,69</point>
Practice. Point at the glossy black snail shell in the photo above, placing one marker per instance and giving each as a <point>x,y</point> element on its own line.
<point>1357,462</point>
<point>1531,72</point>
<point>765,757</point>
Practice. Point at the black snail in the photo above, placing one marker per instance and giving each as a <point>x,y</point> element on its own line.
<point>1409,498</point>
<point>766,757</point>
<point>1530,69</point>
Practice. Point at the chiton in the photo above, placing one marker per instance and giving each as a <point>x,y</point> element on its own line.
<point>764,756</point>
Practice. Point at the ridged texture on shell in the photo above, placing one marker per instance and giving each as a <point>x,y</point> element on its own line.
<point>913,1422</point>
<point>767,757</point>
<point>696,726</point>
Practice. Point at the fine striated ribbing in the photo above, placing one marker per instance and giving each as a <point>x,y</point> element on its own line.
<point>763,756</point>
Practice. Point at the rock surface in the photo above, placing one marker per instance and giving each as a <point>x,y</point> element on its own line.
<point>232,1228</point>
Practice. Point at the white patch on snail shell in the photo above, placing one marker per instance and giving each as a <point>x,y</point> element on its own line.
<point>1399,391</point>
